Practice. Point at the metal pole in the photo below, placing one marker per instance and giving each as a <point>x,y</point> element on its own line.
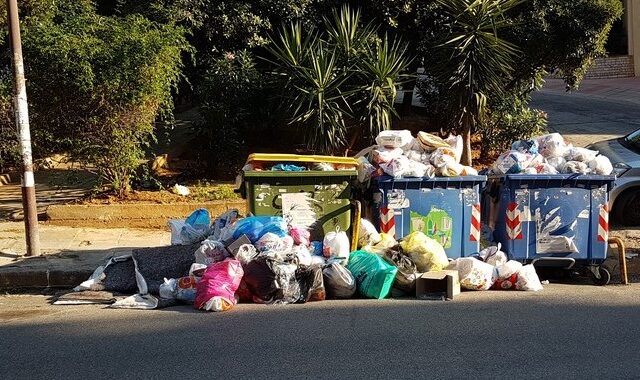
<point>21,109</point>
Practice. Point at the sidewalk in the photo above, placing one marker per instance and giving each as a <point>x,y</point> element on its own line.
<point>52,187</point>
<point>69,255</point>
<point>619,89</point>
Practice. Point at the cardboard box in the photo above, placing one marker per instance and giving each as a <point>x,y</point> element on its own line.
<point>235,245</point>
<point>438,285</point>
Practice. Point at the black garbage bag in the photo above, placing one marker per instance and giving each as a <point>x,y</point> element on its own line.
<point>260,280</point>
<point>311,284</point>
<point>271,281</point>
<point>338,281</point>
<point>407,271</point>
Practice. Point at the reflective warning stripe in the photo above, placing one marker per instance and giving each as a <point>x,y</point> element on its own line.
<point>514,225</point>
<point>603,223</point>
<point>475,223</point>
<point>387,221</point>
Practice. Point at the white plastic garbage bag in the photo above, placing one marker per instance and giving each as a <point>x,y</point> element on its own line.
<point>381,155</point>
<point>576,167</point>
<point>397,167</point>
<point>416,169</point>
<point>394,139</point>
<point>508,269</point>
<point>456,144</point>
<point>368,234</point>
<point>552,145</point>
<point>511,162</point>
<point>580,154</point>
<point>601,165</point>
<point>557,162</point>
<point>528,279</point>
<point>365,169</point>
<point>474,274</point>
<point>210,251</point>
<point>336,245</point>
<point>451,169</point>
<point>493,255</point>
<point>185,234</point>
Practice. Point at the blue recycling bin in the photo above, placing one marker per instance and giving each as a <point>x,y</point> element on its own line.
<point>446,209</point>
<point>556,220</point>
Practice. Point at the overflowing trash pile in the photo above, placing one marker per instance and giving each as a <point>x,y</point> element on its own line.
<point>262,259</point>
<point>400,154</point>
<point>550,154</point>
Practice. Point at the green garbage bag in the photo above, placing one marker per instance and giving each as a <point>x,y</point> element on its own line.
<point>373,275</point>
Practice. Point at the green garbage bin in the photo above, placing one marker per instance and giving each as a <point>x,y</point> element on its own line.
<point>319,200</point>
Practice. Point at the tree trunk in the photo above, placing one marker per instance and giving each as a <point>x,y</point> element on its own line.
<point>466,147</point>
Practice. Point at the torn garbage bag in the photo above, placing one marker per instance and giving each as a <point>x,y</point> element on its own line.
<point>407,271</point>
<point>216,290</point>
<point>373,275</point>
<point>338,281</point>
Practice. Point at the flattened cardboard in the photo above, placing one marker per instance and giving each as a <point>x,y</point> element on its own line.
<point>438,285</point>
<point>235,246</point>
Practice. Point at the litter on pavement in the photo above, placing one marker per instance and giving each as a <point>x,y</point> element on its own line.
<point>297,256</point>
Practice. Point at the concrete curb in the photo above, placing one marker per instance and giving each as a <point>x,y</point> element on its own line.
<point>39,279</point>
<point>133,215</point>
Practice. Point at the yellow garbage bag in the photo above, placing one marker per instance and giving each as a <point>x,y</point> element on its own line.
<point>427,253</point>
<point>386,241</point>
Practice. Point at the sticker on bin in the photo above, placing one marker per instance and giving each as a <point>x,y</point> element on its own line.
<point>555,234</point>
<point>603,223</point>
<point>514,225</point>
<point>387,221</point>
<point>397,199</point>
<point>297,209</point>
<point>475,223</point>
<point>437,224</point>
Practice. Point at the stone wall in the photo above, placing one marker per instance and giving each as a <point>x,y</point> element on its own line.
<point>612,67</point>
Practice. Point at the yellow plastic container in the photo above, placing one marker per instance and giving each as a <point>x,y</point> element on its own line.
<point>298,158</point>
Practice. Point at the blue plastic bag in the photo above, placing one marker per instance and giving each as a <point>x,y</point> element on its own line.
<point>288,168</point>
<point>373,275</point>
<point>200,217</point>
<point>256,226</point>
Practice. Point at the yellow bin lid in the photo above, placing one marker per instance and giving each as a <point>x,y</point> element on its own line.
<point>277,157</point>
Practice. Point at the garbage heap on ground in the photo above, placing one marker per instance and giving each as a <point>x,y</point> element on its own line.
<point>261,259</point>
<point>400,154</point>
<point>550,154</point>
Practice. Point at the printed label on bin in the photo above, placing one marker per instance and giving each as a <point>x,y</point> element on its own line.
<point>437,224</point>
<point>298,209</point>
<point>553,234</point>
<point>397,199</point>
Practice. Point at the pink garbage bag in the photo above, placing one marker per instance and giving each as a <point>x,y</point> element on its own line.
<point>300,235</point>
<point>216,290</point>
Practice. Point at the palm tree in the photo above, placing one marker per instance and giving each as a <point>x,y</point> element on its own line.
<point>339,77</point>
<point>479,62</point>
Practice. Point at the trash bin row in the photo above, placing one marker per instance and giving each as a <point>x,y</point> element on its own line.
<point>548,219</point>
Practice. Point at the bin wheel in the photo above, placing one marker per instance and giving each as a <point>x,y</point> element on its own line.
<point>605,277</point>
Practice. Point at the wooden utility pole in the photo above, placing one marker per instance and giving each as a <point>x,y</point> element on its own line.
<point>21,109</point>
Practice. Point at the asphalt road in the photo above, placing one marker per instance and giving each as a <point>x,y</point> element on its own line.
<point>584,119</point>
<point>565,331</point>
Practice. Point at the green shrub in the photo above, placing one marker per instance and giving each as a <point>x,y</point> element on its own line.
<point>96,85</point>
<point>508,121</point>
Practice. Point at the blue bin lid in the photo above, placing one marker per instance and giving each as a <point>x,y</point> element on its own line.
<point>554,180</point>
<point>444,182</point>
